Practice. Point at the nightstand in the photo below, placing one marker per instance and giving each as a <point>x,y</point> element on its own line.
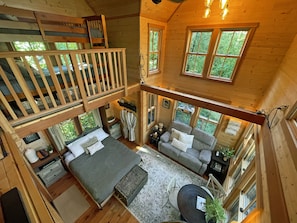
<point>218,167</point>
<point>49,170</point>
<point>155,136</point>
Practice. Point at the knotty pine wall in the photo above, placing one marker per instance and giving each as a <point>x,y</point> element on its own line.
<point>65,7</point>
<point>283,91</point>
<point>277,27</point>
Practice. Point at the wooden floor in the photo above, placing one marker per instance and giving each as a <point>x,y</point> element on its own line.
<point>113,212</point>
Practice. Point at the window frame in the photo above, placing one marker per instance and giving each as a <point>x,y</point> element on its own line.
<point>152,102</point>
<point>208,120</point>
<point>160,30</point>
<point>213,46</point>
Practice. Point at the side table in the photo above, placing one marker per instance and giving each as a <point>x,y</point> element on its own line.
<point>155,136</point>
<point>218,167</point>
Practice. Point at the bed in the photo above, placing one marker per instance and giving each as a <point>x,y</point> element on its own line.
<point>99,171</point>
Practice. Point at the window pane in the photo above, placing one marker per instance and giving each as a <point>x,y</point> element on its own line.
<point>66,46</point>
<point>206,126</point>
<point>231,42</point>
<point>200,42</point>
<point>182,117</point>
<point>87,121</point>
<point>68,130</point>
<point>223,67</point>
<point>197,52</point>
<point>29,46</point>
<point>154,49</point>
<point>153,61</point>
<point>195,64</point>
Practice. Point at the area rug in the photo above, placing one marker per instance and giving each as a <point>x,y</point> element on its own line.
<point>71,204</point>
<point>150,205</point>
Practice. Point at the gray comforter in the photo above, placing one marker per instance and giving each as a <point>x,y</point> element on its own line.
<point>100,172</point>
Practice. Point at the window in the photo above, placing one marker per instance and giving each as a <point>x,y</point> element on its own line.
<point>68,130</point>
<point>155,41</point>
<point>151,111</point>
<point>208,120</point>
<point>215,53</point>
<point>31,46</point>
<point>184,112</point>
<point>87,121</point>
<point>66,46</point>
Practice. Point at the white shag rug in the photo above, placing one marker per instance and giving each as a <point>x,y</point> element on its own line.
<point>149,205</point>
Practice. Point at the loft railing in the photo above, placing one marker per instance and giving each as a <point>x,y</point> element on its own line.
<point>34,82</point>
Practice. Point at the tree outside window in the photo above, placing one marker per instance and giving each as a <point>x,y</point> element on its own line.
<point>155,40</point>
<point>208,120</point>
<point>31,46</point>
<point>87,121</point>
<point>184,112</point>
<point>215,52</point>
<point>68,130</point>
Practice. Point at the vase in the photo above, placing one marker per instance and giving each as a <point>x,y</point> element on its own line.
<point>31,155</point>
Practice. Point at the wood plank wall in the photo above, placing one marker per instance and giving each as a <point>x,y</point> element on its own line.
<point>271,40</point>
<point>283,92</point>
<point>66,7</point>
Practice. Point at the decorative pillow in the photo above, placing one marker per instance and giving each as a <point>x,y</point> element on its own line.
<point>99,133</point>
<point>76,149</point>
<point>88,143</point>
<point>179,145</point>
<point>187,139</point>
<point>95,147</point>
<point>175,134</point>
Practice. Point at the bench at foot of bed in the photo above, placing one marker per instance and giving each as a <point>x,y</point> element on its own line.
<point>130,185</point>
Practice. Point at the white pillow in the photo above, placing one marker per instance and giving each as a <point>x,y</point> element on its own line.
<point>69,158</point>
<point>95,147</point>
<point>175,134</point>
<point>187,139</point>
<point>179,145</point>
<point>75,147</point>
<point>99,133</point>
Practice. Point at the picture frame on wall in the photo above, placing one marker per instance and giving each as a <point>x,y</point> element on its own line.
<point>31,138</point>
<point>166,103</point>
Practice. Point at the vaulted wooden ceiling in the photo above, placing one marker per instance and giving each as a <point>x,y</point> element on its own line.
<point>146,8</point>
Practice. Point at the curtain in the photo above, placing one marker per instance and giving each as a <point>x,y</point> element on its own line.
<point>123,115</point>
<point>131,124</point>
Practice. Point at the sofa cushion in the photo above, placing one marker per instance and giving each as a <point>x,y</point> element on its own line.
<point>169,150</point>
<point>165,137</point>
<point>175,134</point>
<point>187,139</point>
<point>205,156</point>
<point>203,137</point>
<point>179,145</point>
<point>181,127</point>
<point>190,161</point>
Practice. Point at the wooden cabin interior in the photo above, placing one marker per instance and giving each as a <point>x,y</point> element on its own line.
<point>114,58</point>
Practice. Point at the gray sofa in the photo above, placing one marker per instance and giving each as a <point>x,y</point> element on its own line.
<point>195,158</point>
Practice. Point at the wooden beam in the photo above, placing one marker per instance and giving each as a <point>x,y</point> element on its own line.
<point>277,205</point>
<point>206,103</point>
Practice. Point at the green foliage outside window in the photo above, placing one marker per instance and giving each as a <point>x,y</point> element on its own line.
<point>208,120</point>
<point>154,49</point>
<point>197,52</point>
<point>184,112</point>
<point>32,46</point>
<point>68,130</point>
<point>218,60</point>
<point>87,121</point>
<point>227,54</point>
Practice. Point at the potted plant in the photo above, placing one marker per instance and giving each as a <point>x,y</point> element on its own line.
<point>214,211</point>
<point>50,149</point>
<point>227,153</point>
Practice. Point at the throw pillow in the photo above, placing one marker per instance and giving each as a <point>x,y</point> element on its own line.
<point>95,147</point>
<point>88,143</point>
<point>179,145</point>
<point>175,134</point>
<point>187,139</point>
